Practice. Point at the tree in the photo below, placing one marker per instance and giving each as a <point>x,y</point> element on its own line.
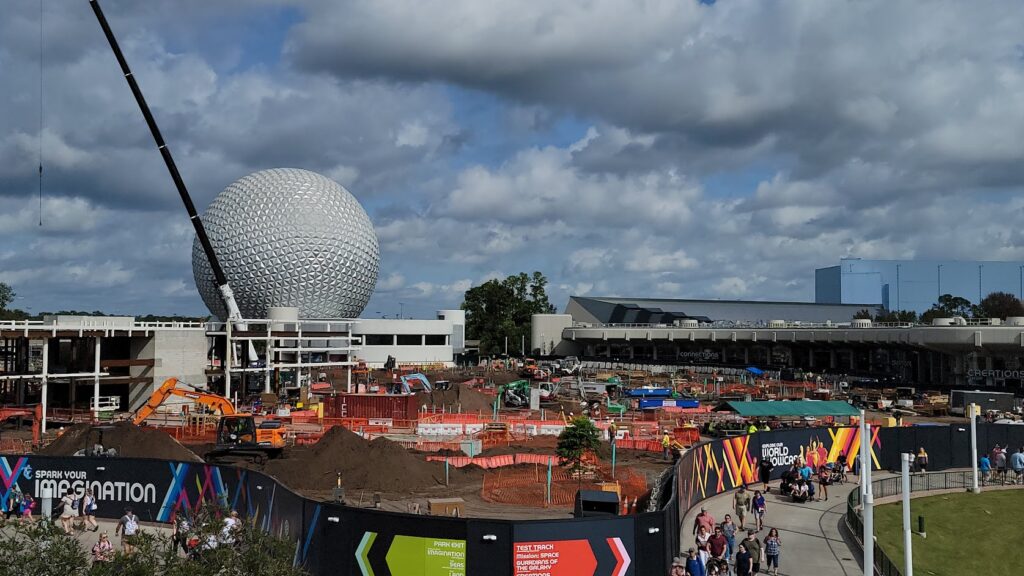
<point>578,438</point>
<point>1000,305</point>
<point>864,314</point>
<point>897,317</point>
<point>42,549</point>
<point>496,310</point>
<point>949,306</point>
<point>6,295</point>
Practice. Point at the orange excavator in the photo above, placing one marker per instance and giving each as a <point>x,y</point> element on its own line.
<point>237,433</point>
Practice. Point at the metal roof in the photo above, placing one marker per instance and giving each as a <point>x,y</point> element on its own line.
<point>791,408</point>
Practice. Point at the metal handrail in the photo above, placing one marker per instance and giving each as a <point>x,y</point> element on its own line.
<point>893,486</point>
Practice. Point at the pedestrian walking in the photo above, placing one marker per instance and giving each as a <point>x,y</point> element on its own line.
<point>753,546</point>
<point>694,567</point>
<point>999,460</point>
<point>13,503</point>
<point>128,528</point>
<point>729,531</point>
<point>741,503</point>
<point>702,536</point>
<point>764,469</point>
<point>718,545</point>
<point>28,504</point>
<point>68,511</point>
<point>744,562</point>
<point>772,549</point>
<point>678,567</point>
<point>757,506</point>
<point>1017,465</point>
<point>705,519</point>
<point>88,510</point>
<point>182,527</point>
<point>922,460</point>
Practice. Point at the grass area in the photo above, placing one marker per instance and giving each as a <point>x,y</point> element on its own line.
<point>967,533</point>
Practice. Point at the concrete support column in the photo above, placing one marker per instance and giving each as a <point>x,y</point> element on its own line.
<point>46,377</point>
<point>96,381</point>
<point>746,355</point>
<point>832,358</point>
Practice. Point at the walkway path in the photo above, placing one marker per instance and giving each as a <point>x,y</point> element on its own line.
<point>811,539</point>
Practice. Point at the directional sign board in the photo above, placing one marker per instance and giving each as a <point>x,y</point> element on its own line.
<point>597,548</point>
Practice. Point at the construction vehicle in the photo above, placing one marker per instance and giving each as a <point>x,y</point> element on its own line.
<point>406,382</point>
<point>515,394</point>
<point>34,414</point>
<point>237,433</point>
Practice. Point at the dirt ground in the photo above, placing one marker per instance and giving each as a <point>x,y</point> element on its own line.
<point>129,440</point>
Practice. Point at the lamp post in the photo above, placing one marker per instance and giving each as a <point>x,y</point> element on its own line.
<point>908,551</point>
<point>868,496</point>
<point>974,447</point>
<point>938,283</point>
<point>897,287</point>
<point>980,296</point>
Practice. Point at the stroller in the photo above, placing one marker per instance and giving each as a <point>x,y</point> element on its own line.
<point>833,473</point>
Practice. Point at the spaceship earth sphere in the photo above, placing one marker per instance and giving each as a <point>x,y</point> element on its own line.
<point>289,237</point>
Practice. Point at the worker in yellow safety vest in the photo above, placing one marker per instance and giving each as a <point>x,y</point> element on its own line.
<point>666,445</point>
<point>752,428</point>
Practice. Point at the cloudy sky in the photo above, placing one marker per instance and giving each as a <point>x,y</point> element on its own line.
<point>649,148</point>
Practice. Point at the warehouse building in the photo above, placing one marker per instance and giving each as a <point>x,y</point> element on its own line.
<point>914,284</point>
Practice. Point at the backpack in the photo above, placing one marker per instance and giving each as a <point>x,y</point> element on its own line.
<point>75,503</point>
<point>131,525</point>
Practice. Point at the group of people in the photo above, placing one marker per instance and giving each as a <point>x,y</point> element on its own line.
<point>192,542</point>
<point>78,511</point>
<point>1000,464</point>
<point>18,504</point>
<point>799,481</point>
<point>716,546</point>
<point>127,528</point>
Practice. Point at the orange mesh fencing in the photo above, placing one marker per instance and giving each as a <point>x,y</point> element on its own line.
<point>526,485</point>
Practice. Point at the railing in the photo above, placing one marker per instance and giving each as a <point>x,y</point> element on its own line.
<point>889,487</point>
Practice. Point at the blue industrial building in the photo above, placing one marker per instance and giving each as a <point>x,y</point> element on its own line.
<point>914,284</point>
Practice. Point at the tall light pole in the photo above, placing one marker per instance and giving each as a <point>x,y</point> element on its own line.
<point>401,309</point>
<point>897,287</point>
<point>938,284</point>
<point>908,550</point>
<point>868,500</point>
<point>1020,293</point>
<point>980,296</point>
<point>974,447</point>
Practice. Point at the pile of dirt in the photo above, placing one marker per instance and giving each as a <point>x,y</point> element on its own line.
<point>459,396</point>
<point>379,464</point>
<point>129,440</point>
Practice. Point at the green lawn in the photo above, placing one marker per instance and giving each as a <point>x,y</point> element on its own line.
<point>967,533</point>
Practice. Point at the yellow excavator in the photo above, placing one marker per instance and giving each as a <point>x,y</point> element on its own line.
<point>238,436</point>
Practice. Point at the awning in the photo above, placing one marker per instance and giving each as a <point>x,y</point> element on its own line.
<point>789,408</point>
<point>755,370</point>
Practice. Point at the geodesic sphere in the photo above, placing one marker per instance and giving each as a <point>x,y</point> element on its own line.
<point>289,237</point>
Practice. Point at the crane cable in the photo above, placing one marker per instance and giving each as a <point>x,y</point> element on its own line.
<point>40,135</point>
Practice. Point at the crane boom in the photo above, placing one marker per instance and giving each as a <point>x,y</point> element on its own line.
<point>170,388</point>
<point>218,273</point>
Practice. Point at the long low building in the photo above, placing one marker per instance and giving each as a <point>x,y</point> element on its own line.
<point>955,353</point>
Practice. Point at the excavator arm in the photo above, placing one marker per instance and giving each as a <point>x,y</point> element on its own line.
<point>170,388</point>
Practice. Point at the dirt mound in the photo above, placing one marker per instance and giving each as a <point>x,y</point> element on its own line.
<point>470,401</point>
<point>129,440</point>
<point>376,465</point>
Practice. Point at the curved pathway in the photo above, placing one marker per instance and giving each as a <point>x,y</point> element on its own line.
<point>812,542</point>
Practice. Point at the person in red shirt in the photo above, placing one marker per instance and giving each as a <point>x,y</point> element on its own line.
<point>704,519</point>
<point>718,543</point>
